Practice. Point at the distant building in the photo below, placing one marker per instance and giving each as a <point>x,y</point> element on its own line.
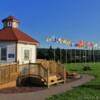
<point>15,45</point>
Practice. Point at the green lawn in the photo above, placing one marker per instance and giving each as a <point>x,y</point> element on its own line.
<point>88,91</point>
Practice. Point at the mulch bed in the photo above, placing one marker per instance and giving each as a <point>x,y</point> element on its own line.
<point>27,89</point>
<point>21,90</point>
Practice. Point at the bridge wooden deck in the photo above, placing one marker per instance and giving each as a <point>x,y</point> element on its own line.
<point>49,72</point>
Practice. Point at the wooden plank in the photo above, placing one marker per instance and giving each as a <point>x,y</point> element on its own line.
<point>56,82</point>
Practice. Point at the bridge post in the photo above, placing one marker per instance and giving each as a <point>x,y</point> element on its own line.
<point>38,69</point>
<point>29,69</point>
<point>64,74</point>
<point>48,78</point>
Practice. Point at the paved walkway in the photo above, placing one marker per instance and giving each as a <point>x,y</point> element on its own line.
<point>41,95</point>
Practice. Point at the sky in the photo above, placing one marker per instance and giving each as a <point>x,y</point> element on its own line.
<point>71,19</point>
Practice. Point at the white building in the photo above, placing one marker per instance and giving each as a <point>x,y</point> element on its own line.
<point>15,45</point>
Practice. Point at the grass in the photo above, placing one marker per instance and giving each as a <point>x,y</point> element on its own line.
<point>88,91</point>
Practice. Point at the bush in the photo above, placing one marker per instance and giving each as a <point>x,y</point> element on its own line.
<point>87,68</point>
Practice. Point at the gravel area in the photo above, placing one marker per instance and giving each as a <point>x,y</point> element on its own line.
<point>42,93</point>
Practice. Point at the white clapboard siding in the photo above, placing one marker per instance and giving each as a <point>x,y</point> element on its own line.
<point>32,55</point>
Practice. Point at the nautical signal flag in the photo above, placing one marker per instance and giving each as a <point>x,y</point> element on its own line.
<point>76,45</point>
<point>85,45</point>
<point>68,43</point>
<point>48,39</point>
<point>80,44</point>
<point>95,46</point>
<point>90,44</point>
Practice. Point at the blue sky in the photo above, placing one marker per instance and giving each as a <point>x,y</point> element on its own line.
<point>71,19</point>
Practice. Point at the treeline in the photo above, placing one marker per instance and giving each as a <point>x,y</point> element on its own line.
<point>68,55</point>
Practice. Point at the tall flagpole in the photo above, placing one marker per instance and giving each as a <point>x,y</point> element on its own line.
<point>54,55</point>
<point>99,50</point>
<point>86,56</point>
<point>70,55</point>
<point>86,51</point>
<point>77,46</point>
<point>60,55</point>
<point>92,47</point>
<point>95,48</point>
<point>90,51</point>
<point>66,55</point>
<point>93,59</point>
<point>75,55</point>
<point>80,55</point>
<point>83,60</point>
<point>90,54</point>
<point>69,44</point>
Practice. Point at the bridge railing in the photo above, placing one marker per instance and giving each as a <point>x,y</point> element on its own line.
<point>35,69</point>
<point>55,69</point>
<point>8,73</point>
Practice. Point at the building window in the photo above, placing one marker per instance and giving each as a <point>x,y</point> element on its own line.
<point>26,54</point>
<point>3,53</point>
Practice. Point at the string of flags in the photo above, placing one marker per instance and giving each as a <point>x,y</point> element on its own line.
<point>59,40</point>
<point>68,42</point>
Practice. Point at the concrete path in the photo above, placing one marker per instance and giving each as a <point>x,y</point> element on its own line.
<point>41,95</point>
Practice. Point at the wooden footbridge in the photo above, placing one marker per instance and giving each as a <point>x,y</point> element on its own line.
<point>43,73</point>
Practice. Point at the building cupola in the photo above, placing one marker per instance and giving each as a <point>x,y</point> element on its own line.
<point>11,22</point>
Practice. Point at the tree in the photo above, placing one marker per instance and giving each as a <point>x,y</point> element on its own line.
<point>50,53</point>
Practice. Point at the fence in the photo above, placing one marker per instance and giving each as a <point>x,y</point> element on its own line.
<point>8,73</point>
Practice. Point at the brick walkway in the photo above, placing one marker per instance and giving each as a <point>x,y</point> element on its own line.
<point>41,95</point>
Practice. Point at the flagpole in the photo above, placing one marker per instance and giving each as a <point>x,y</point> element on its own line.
<point>93,57</point>
<point>66,55</point>
<point>75,56</point>
<point>70,55</point>
<point>54,55</point>
<point>60,55</point>
<point>86,51</point>
<point>98,52</point>
<point>95,47</point>
<point>86,56</point>
<point>90,53</point>
<point>80,55</point>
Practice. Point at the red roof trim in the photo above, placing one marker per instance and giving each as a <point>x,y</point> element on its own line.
<point>14,34</point>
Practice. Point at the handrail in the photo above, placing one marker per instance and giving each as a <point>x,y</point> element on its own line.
<point>41,70</point>
<point>39,65</point>
<point>45,70</point>
<point>42,75</point>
